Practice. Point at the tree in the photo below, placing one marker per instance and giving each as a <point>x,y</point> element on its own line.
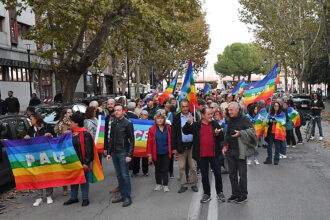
<point>71,35</point>
<point>240,59</point>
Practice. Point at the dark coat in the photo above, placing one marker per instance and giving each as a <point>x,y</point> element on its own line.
<point>131,115</point>
<point>12,105</point>
<point>107,127</point>
<point>88,143</point>
<point>34,102</point>
<point>195,129</point>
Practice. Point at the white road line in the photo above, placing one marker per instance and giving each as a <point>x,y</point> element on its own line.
<point>212,213</point>
<point>195,204</point>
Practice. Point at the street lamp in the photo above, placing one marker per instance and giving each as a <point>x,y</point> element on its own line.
<point>28,48</point>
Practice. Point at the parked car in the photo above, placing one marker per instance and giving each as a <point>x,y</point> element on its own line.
<point>87,100</point>
<point>303,102</point>
<point>12,127</point>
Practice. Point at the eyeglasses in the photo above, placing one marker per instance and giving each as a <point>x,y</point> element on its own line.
<point>144,114</point>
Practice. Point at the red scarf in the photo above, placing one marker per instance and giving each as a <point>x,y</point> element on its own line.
<point>82,143</point>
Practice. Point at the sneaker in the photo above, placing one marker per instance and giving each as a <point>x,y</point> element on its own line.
<point>232,198</point>
<point>127,202</point>
<point>248,162</point>
<point>241,200</point>
<point>320,138</point>
<point>221,197</point>
<point>166,189</point>
<point>284,156</point>
<point>146,174</point>
<point>300,142</point>
<point>171,176</point>
<point>37,202</point>
<point>281,156</point>
<point>182,189</point>
<point>256,161</point>
<point>194,188</point>
<point>49,200</point>
<point>293,146</point>
<point>158,187</point>
<point>205,198</point>
<point>312,138</point>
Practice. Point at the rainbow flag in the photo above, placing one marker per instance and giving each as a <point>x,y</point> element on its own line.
<point>99,136</point>
<point>259,124</point>
<point>207,89</point>
<point>280,131</point>
<point>168,91</point>
<point>96,173</point>
<point>188,90</point>
<point>294,116</point>
<point>263,89</point>
<point>141,129</point>
<point>43,162</point>
<point>239,88</point>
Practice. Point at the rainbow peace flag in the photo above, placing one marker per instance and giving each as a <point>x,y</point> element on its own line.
<point>239,88</point>
<point>99,136</point>
<point>168,91</point>
<point>96,173</point>
<point>259,123</point>
<point>43,162</point>
<point>188,90</point>
<point>141,129</point>
<point>294,116</point>
<point>207,89</point>
<point>280,131</point>
<point>263,89</point>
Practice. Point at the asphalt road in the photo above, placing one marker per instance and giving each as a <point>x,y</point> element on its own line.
<point>299,188</point>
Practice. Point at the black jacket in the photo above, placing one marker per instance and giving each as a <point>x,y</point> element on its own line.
<point>3,107</point>
<point>34,102</point>
<point>12,105</point>
<point>151,112</point>
<point>106,132</point>
<point>319,103</point>
<point>122,137</point>
<point>89,153</point>
<point>131,115</point>
<point>176,134</point>
<point>195,129</point>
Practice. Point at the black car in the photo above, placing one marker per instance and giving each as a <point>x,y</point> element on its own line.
<point>303,103</point>
<point>12,127</point>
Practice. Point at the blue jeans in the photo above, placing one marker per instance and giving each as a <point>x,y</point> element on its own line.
<point>255,155</point>
<point>278,145</point>
<point>122,171</point>
<point>318,122</point>
<point>283,148</point>
<point>83,187</point>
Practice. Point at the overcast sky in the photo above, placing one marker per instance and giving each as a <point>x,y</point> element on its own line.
<point>225,28</point>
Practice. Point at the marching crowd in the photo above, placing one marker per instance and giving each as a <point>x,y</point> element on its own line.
<point>220,133</point>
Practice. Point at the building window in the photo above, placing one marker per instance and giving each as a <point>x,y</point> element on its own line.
<point>22,29</point>
<point>13,26</point>
<point>1,23</point>
<point>2,74</point>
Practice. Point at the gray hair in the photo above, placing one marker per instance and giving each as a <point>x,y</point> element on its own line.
<point>214,105</point>
<point>144,112</point>
<point>94,104</point>
<point>262,103</point>
<point>235,104</point>
<point>131,106</point>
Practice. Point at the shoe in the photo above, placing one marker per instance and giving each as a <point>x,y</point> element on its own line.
<point>171,176</point>
<point>182,189</point>
<point>256,161</point>
<point>118,200</point>
<point>127,202</point>
<point>232,198</point>
<point>37,202</point>
<point>312,138</point>
<point>300,142</point>
<point>85,202</point>
<point>115,190</point>
<point>293,146</point>
<point>71,201</point>
<point>158,187</point>
<point>194,188</point>
<point>241,200</point>
<point>205,198</point>
<point>221,197</point>
<point>287,146</point>
<point>65,191</point>
<point>248,162</point>
<point>267,162</point>
<point>49,200</point>
<point>284,156</point>
<point>264,145</point>
<point>320,138</point>
<point>146,174</point>
<point>166,189</point>
<point>275,163</point>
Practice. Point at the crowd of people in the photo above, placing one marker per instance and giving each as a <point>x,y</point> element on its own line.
<point>220,134</point>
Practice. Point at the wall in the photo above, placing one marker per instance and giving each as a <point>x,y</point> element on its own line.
<point>21,91</point>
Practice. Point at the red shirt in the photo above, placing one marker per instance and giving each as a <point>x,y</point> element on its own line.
<point>207,140</point>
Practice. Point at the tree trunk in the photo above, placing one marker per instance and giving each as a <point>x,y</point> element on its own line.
<point>114,73</point>
<point>306,86</point>
<point>239,77</point>
<point>249,77</point>
<point>69,86</point>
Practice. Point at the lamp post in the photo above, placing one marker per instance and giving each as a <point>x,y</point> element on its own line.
<point>129,90</point>
<point>30,69</point>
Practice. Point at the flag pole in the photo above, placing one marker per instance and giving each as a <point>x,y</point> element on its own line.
<point>194,113</point>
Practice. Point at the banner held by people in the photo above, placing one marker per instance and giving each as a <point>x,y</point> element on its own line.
<point>44,162</point>
<point>141,129</point>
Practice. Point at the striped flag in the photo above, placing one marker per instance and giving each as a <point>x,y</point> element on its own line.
<point>141,129</point>
<point>168,91</point>
<point>280,131</point>
<point>263,89</point>
<point>43,162</point>
<point>207,89</point>
<point>99,136</point>
<point>188,90</point>
<point>239,88</point>
<point>294,116</point>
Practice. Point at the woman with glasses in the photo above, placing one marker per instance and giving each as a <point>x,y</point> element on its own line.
<point>138,108</point>
<point>60,128</point>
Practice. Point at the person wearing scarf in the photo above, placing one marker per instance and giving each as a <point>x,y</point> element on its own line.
<point>60,128</point>
<point>253,116</point>
<point>275,132</point>
<point>82,142</point>
<point>38,129</point>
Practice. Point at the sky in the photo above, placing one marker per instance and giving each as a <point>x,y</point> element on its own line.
<point>225,29</point>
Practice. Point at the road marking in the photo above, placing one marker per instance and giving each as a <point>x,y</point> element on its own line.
<point>195,204</point>
<point>212,213</point>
